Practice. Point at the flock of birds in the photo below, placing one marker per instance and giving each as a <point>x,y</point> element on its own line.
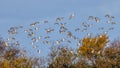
<point>65,34</point>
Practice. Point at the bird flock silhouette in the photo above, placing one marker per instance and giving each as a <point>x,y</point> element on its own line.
<point>66,36</point>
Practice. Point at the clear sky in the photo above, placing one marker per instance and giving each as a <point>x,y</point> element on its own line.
<point>24,12</point>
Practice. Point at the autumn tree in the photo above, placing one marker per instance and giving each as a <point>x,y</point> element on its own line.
<point>94,52</point>
<point>11,57</point>
<point>61,57</point>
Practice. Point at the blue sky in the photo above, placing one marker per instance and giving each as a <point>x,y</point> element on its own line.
<point>24,12</point>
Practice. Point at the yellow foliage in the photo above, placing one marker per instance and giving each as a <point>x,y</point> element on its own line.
<point>6,64</point>
<point>92,45</point>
